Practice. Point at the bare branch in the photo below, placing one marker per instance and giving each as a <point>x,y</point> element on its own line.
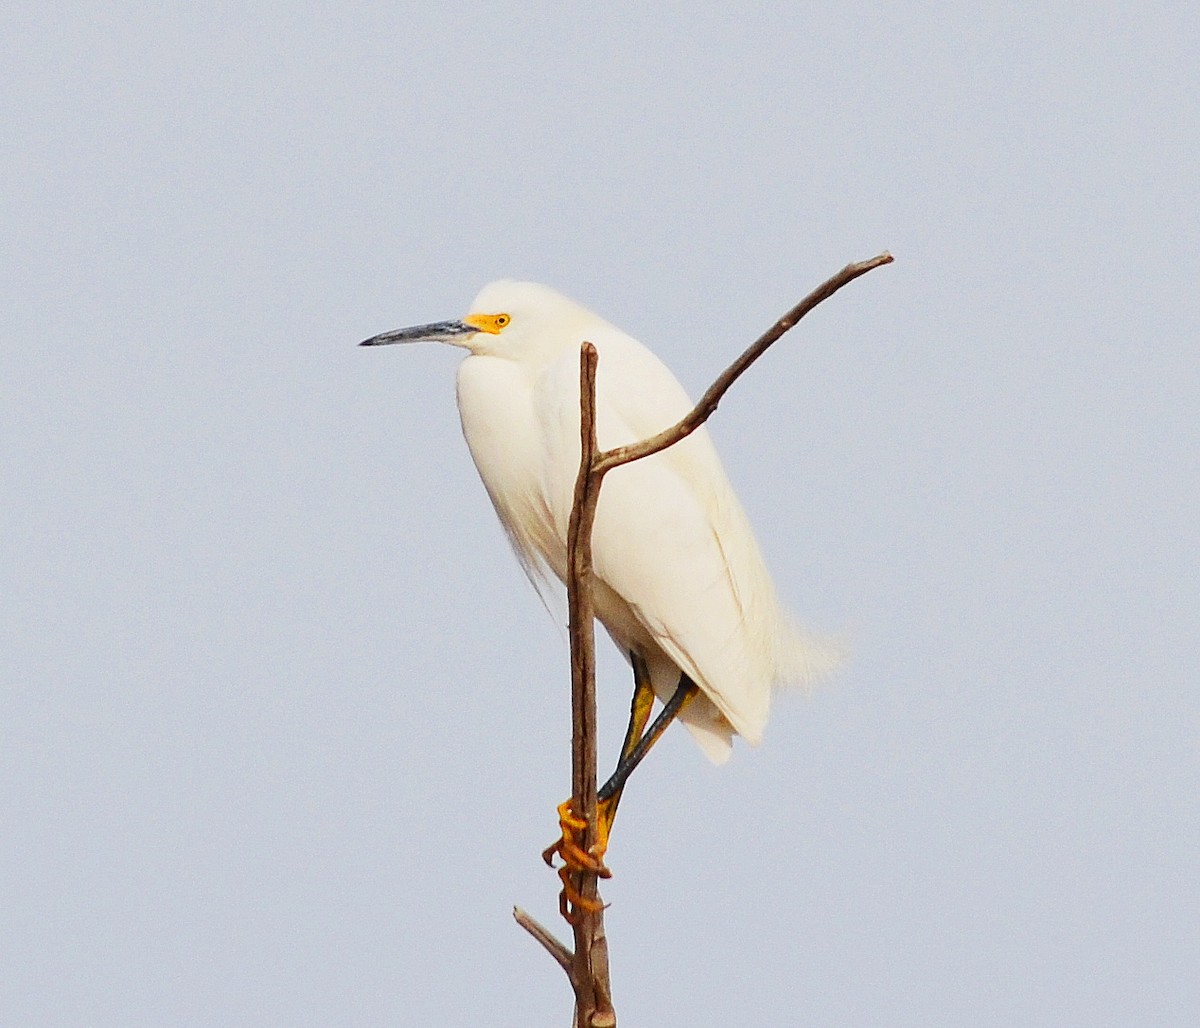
<point>547,941</point>
<point>589,976</point>
<point>579,598</point>
<point>699,414</point>
<point>587,967</point>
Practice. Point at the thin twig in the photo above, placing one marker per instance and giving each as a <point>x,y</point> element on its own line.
<point>699,414</point>
<point>589,977</point>
<point>548,942</point>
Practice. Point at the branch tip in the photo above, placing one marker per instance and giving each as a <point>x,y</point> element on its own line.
<point>609,459</point>
<point>542,936</point>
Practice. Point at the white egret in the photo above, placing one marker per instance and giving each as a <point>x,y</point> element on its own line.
<point>679,582</point>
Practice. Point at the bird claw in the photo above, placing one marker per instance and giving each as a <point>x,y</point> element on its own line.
<point>569,845</point>
<point>571,901</point>
<point>577,860</point>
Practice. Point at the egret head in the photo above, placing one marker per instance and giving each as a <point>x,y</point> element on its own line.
<point>519,320</point>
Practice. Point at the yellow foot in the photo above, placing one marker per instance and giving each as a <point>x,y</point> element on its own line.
<point>571,902</point>
<point>577,860</point>
<point>570,845</point>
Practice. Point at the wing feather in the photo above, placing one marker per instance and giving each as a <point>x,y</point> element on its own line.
<point>672,550</point>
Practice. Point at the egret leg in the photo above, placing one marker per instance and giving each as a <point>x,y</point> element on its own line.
<point>610,792</point>
<point>639,714</point>
<point>568,846</point>
<point>637,744</point>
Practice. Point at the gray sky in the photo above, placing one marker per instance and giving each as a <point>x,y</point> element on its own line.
<point>282,726</point>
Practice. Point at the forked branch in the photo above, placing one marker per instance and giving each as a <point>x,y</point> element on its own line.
<point>699,414</point>
<point>587,967</point>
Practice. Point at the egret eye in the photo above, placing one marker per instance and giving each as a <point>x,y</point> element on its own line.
<point>493,324</point>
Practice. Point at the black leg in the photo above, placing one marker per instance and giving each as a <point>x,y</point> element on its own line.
<point>610,791</point>
<point>639,714</point>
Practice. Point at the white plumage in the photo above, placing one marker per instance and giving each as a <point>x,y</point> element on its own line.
<point>678,574</point>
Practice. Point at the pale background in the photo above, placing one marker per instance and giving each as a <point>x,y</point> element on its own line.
<point>281,724</point>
